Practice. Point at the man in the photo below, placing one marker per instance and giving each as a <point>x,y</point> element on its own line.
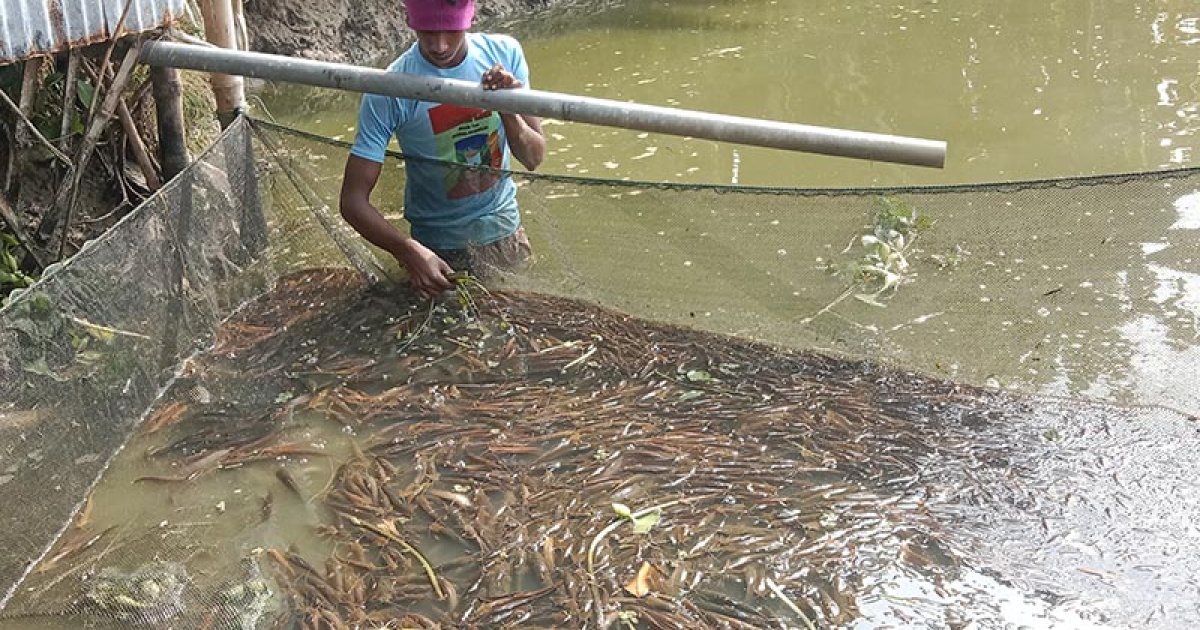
<point>460,217</point>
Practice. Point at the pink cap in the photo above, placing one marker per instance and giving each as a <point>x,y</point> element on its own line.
<point>440,15</point>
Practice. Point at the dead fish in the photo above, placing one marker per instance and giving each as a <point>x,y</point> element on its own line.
<point>289,482</point>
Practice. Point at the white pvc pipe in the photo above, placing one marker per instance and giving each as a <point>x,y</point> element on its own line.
<point>680,122</point>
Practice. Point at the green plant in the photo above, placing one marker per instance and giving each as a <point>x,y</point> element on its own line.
<point>11,276</point>
<point>880,264</point>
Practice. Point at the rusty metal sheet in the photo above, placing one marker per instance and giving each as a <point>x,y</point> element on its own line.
<point>34,27</point>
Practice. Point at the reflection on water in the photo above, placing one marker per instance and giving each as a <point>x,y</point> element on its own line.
<point>383,460</point>
<point>1188,207</point>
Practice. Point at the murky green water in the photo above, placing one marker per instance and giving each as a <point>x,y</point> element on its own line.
<point>1019,90</point>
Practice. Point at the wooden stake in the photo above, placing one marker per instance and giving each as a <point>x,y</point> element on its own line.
<point>220,29</point>
<point>21,132</point>
<point>172,135</point>
<point>68,105</point>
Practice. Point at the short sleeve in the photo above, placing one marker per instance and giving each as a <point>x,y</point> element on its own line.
<point>378,119</point>
<point>517,65</point>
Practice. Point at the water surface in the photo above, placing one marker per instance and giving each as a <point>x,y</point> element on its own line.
<point>1019,90</point>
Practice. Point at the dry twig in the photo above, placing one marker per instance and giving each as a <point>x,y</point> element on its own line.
<point>29,126</point>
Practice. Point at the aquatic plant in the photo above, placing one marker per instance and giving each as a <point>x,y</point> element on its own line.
<point>880,262</point>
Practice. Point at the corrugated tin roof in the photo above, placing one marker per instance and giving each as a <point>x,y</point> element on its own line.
<point>32,27</point>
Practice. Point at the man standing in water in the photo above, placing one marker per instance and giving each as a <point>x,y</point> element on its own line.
<point>462,218</point>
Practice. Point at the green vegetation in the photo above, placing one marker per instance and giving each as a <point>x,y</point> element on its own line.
<point>882,262</point>
<point>11,276</point>
<point>876,269</point>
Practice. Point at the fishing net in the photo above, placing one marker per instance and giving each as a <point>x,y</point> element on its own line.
<point>698,407</point>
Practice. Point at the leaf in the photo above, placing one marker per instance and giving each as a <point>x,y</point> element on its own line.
<point>699,376</point>
<point>622,510</point>
<point>644,582</point>
<point>89,357</point>
<point>643,524</point>
<point>41,368</point>
<point>86,92</point>
<point>48,129</point>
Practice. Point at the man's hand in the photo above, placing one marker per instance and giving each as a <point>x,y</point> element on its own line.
<point>429,274</point>
<point>498,78</point>
<point>524,133</point>
<point>427,271</point>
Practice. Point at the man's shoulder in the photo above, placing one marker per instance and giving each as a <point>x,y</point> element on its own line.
<point>404,61</point>
<point>494,41</point>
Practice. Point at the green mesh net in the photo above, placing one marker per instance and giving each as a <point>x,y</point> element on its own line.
<point>700,407</point>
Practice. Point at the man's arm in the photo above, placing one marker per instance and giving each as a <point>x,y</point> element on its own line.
<point>524,133</point>
<point>525,138</point>
<point>428,272</point>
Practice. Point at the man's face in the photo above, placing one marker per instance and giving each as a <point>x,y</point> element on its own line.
<point>444,49</point>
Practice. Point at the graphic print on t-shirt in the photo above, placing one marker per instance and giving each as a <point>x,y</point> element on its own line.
<point>470,136</point>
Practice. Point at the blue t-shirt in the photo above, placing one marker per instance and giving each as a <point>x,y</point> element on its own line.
<point>449,208</point>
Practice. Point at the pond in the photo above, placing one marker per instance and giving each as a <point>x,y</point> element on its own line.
<point>1070,293</point>
<point>1020,90</point>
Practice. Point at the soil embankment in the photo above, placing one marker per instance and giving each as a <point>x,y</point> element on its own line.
<point>355,31</point>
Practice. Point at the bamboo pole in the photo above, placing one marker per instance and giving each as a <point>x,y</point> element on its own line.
<point>22,133</point>
<point>220,29</point>
<point>138,147</point>
<point>172,135</point>
<point>68,105</point>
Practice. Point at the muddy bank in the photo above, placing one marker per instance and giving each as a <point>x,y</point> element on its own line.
<point>360,31</point>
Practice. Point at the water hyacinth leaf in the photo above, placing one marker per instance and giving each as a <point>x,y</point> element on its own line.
<point>40,367</point>
<point>699,376</point>
<point>89,357</point>
<point>643,524</point>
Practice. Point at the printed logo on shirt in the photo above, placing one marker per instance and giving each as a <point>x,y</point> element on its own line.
<point>470,136</point>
